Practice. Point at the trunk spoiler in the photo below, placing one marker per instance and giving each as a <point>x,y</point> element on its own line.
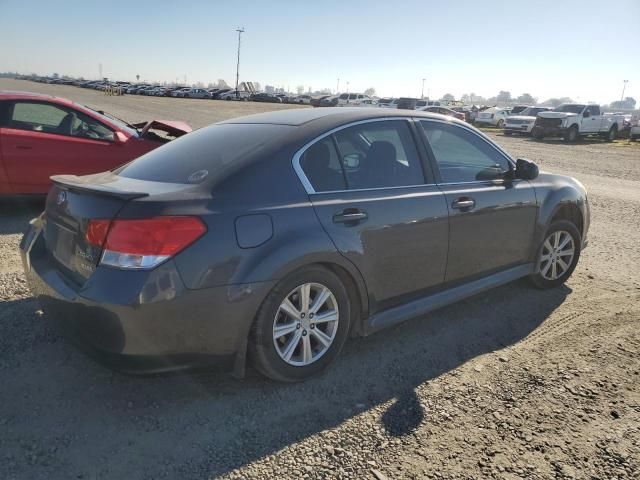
<point>99,184</point>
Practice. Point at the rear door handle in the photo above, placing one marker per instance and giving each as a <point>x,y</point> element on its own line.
<point>350,215</point>
<point>23,147</point>
<point>463,203</point>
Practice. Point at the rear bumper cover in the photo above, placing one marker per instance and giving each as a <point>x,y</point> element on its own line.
<point>143,322</point>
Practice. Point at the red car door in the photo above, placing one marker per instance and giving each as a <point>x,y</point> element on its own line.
<point>43,139</point>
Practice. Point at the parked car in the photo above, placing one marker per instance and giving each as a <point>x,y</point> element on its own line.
<point>179,92</point>
<point>265,97</point>
<point>196,93</point>
<point>352,99</point>
<point>524,121</point>
<point>444,111</point>
<point>634,128</point>
<point>42,136</point>
<point>219,93</point>
<point>193,253</point>
<point>234,95</point>
<point>331,101</point>
<point>573,120</point>
<point>317,101</point>
<point>493,116</point>
<point>302,99</point>
<point>518,109</point>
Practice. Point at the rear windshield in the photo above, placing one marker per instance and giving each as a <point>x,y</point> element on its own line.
<point>205,154</point>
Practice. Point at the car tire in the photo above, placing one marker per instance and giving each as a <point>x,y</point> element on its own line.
<point>548,275</point>
<point>500,123</point>
<point>612,134</point>
<point>268,352</point>
<point>536,133</point>
<point>572,135</point>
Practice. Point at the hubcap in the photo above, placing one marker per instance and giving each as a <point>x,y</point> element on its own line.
<point>305,324</point>
<point>557,255</point>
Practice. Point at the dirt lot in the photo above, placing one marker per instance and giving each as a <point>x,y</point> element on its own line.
<point>514,383</point>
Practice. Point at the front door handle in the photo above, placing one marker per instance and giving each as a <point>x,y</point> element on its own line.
<point>463,203</point>
<point>350,216</point>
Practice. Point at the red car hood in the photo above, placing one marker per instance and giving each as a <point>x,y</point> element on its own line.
<point>174,128</point>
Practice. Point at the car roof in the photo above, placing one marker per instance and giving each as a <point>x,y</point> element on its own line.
<point>18,95</point>
<point>302,116</point>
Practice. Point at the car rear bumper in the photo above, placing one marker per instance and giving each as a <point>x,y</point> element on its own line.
<point>143,322</point>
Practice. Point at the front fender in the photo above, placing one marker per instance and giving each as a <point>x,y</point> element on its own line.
<point>555,192</point>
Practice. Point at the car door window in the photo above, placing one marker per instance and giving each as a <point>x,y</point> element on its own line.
<point>39,117</point>
<point>86,127</point>
<point>322,167</point>
<point>463,156</point>
<point>379,155</point>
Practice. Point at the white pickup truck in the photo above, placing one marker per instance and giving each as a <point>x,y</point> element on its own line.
<point>572,120</point>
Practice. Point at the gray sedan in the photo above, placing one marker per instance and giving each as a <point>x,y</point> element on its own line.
<point>275,237</point>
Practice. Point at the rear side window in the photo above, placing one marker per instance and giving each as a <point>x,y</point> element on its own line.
<point>208,153</point>
<point>379,155</point>
<point>321,165</point>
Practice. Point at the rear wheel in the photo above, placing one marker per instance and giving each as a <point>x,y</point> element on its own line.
<point>612,134</point>
<point>537,133</point>
<point>558,255</point>
<point>500,123</point>
<point>301,326</point>
<point>571,135</point>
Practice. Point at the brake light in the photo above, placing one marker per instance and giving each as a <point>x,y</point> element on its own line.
<point>143,243</point>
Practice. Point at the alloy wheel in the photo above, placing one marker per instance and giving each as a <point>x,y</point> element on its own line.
<point>557,255</point>
<point>305,324</point>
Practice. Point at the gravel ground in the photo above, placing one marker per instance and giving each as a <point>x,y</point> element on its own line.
<point>513,383</point>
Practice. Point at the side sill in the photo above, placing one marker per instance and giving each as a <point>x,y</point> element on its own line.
<point>396,315</point>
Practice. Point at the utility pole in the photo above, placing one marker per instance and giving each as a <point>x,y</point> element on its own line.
<point>338,87</point>
<point>624,87</point>
<point>422,94</point>
<point>240,32</point>
<point>100,71</point>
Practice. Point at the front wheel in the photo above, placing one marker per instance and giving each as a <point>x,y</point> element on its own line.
<point>500,123</point>
<point>558,255</point>
<point>571,135</point>
<point>301,326</point>
<point>537,133</point>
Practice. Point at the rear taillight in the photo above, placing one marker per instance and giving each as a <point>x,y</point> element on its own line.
<point>143,243</point>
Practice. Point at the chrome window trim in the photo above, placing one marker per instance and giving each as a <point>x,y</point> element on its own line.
<point>300,172</point>
<point>311,191</point>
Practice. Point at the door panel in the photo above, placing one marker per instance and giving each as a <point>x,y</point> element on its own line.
<point>494,232</point>
<point>491,216</point>
<point>398,238</point>
<point>30,158</point>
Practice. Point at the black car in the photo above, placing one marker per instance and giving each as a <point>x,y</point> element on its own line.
<point>276,236</point>
<point>265,97</point>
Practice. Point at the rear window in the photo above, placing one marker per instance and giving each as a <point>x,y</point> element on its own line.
<point>205,154</point>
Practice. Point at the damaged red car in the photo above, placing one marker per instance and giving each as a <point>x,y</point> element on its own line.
<point>41,136</point>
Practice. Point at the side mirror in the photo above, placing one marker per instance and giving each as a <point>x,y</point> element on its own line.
<point>119,138</point>
<point>526,169</point>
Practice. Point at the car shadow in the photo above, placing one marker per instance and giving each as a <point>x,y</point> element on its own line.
<point>192,424</point>
<point>16,213</point>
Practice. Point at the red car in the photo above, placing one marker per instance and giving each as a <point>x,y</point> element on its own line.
<point>41,136</point>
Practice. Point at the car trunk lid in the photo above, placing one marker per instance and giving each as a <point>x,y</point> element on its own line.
<point>73,202</point>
